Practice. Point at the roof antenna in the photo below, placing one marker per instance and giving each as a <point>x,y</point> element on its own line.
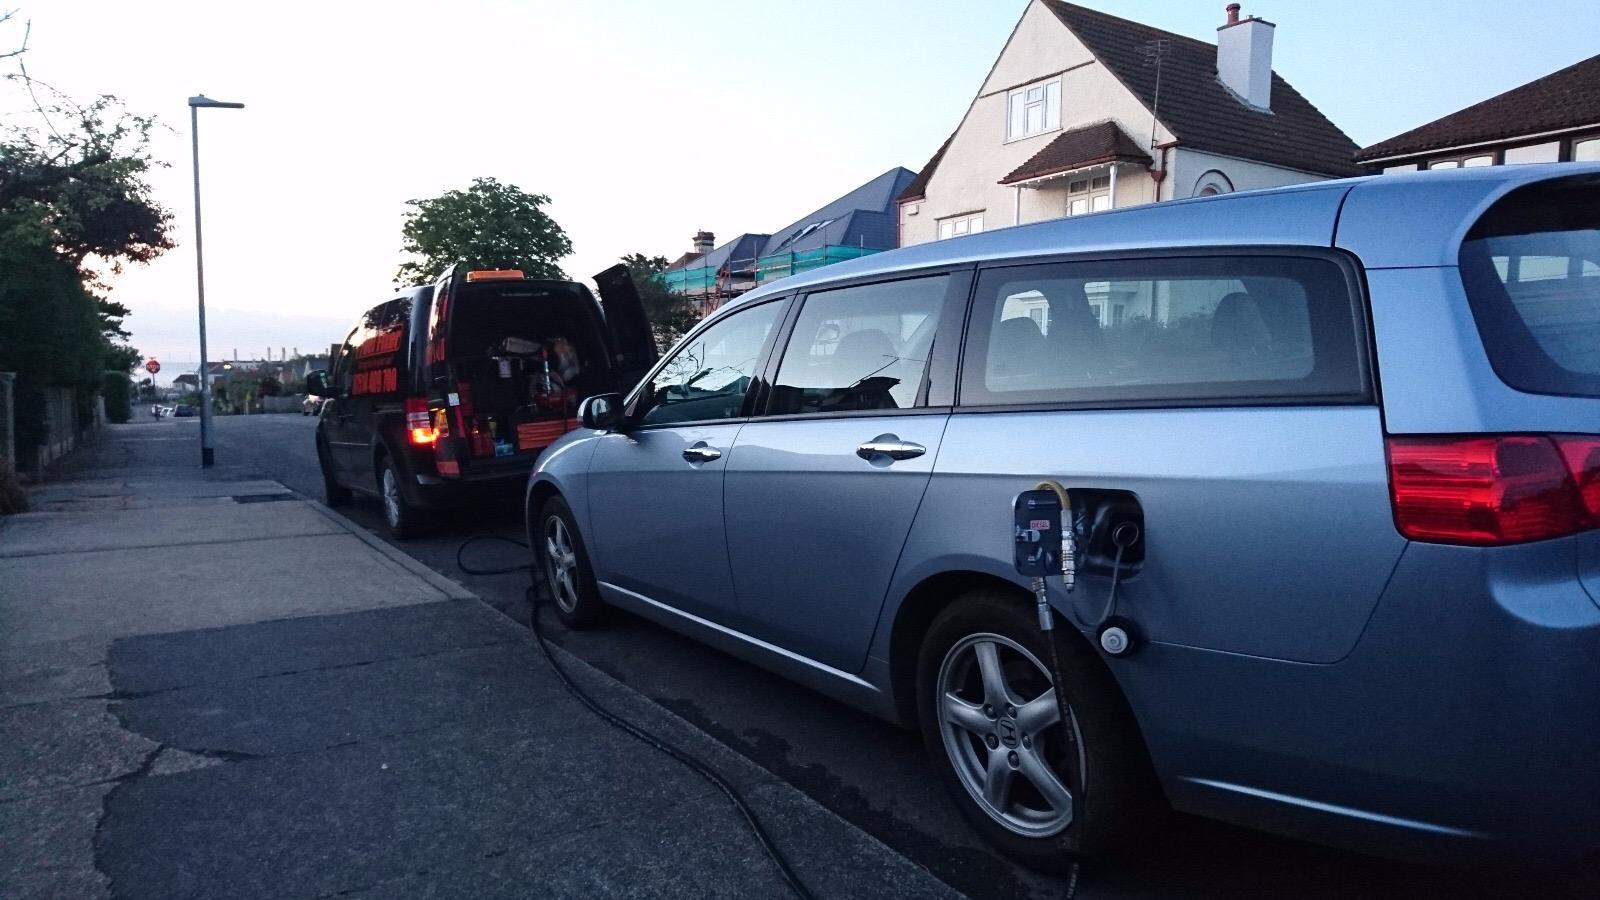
<point>1154,52</point>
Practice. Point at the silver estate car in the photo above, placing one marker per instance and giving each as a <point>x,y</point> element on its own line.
<point>1331,460</point>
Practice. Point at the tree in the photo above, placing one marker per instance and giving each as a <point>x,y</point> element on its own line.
<point>74,201</point>
<point>488,226</point>
<point>670,314</point>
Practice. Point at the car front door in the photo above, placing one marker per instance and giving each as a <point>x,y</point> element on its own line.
<point>655,495</point>
<point>338,423</point>
<point>822,489</point>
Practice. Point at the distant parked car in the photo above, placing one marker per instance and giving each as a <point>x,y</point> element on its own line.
<point>1368,608</point>
<point>311,405</point>
<point>182,411</point>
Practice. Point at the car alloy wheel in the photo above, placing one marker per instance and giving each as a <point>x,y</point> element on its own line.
<point>1002,729</point>
<point>561,564</point>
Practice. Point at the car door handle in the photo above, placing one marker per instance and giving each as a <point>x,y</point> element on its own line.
<point>890,447</point>
<point>700,453</point>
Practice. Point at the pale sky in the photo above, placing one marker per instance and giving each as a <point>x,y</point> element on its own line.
<point>643,121</point>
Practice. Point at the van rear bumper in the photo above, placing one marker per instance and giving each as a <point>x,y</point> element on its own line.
<point>434,491</point>
<point>1464,726</point>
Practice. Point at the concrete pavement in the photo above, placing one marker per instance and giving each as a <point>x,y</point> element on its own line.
<point>212,687</point>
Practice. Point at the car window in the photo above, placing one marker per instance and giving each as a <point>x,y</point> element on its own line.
<point>1151,331</point>
<point>1531,267</point>
<point>344,366</point>
<point>707,376</point>
<point>861,347</point>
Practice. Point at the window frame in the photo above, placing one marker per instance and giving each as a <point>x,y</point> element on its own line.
<point>1368,393</point>
<point>757,389</point>
<point>968,217</point>
<point>933,396</point>
<point>1044,84</point>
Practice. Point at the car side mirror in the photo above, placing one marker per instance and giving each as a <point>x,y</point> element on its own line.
<point>602,412</point>
<point>317,384</point>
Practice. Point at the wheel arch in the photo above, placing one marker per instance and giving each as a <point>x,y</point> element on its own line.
<point>924,602</point>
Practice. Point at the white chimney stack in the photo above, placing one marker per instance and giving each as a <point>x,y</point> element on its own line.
<point>1244,58</point>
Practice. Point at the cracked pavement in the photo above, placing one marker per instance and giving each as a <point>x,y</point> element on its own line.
<point>206,697</point>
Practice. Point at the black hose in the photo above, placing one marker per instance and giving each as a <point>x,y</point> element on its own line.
<point>688,759</point>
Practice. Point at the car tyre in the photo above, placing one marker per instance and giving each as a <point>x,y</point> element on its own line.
<point>333,493</point>
<point>1046,798</point>
<point>560,553</point>
<point>398,514</point>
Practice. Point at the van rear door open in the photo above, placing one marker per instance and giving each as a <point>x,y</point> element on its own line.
<point>632,343</point>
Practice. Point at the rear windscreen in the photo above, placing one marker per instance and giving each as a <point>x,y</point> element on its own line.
<point>1531,267</point>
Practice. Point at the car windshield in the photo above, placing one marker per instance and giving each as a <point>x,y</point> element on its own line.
<point>1531,267</point>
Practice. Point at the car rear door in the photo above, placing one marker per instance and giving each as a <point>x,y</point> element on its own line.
<point>822,489</point>
<point>1227,396</point>
<point>633,343</point>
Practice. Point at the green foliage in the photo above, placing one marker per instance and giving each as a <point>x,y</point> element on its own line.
<point>74,200</point>
<point>670,314</point>
<point>117,391</point>
<point>488,226</point>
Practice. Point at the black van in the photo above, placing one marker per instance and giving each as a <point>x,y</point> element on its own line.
<point>461,383</point>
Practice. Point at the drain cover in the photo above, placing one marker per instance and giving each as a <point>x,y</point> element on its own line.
<point>261,498</point>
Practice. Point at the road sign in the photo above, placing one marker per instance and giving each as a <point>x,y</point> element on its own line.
<point>152,366</point>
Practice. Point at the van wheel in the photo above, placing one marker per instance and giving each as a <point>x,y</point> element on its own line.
<point>400,516</point>
<point>1045,793</point>
<point>559,549</point>
<point>333,493</point>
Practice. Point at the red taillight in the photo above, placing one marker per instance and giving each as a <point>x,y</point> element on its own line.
<point>1490,489</point>
<point>419,422</point>
<point>1582,453</point>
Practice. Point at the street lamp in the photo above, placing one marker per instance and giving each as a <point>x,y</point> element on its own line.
<point>207,451</point>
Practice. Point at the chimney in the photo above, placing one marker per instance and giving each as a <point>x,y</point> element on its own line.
<point>1244,58</point>
<point>704,242</point>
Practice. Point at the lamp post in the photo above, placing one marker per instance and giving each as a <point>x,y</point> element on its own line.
<point>207,445</point>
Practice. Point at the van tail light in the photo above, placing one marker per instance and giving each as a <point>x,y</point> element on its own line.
<point>1486,490</point>
<point>419,423</point>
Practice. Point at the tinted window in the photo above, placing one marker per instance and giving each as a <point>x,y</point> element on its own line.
<point>1151,331</point>
<point>707,376</point>
<point>1531,268</point>
<point>344,365</point>
<point>860,348</point>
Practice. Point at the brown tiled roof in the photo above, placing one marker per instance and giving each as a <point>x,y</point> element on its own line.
<point>1566,99</point>
<point>1198,110</point>
<point>1090,145</point>
<point>918,188</point>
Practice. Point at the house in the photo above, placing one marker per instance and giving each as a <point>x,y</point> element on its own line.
<point>1553,119</point>
<point>1084,112</point>
<point>859,223</point>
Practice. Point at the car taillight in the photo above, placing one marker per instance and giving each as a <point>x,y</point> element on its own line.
<point>1582,453</point>
<point>1494,489</point>
<point>419,422</point>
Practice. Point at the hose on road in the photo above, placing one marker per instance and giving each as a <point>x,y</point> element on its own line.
<point>694,763</point>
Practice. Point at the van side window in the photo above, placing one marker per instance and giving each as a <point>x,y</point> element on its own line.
<point>860,348</point>
<point>707,377</point>
<point>1163,330</point>
<point>344,366</point>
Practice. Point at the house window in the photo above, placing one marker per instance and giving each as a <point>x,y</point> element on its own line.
<point>1464,162</point>
<point>1034,109</point>
<point>1087,195</point>
<point>956,226</point>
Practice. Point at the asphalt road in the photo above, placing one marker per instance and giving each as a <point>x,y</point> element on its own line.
<point>872,774</point>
